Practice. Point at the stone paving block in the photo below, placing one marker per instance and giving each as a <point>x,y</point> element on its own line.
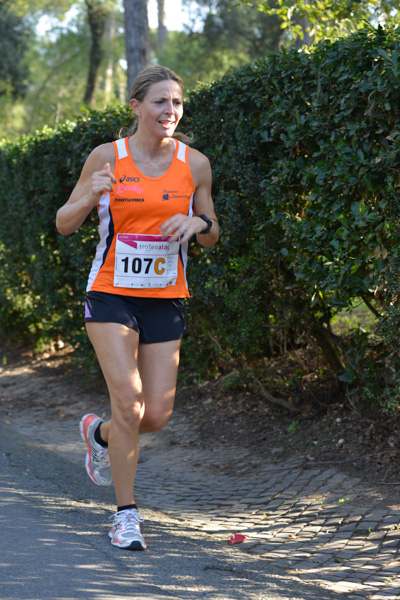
<point>344,554</point>
<point>383,595</point>
<point>342,536</point>
<point>353,518</point>
<point>369,548</point>
<point>353,578</point>
<point>334,521</point>
<point>391,519</point>
<point>377,535</point>
<point>248,546</point>
<point>332,547</point>
<point>390,543</point>
<point>312,529</point>
<point>364,575</point>
<point>376,515</point>
<point>348,527</point>
<point>344,587</point>
<point>300,555</point>
<point>282,563</point>
<point>312,562</point>
<point>322,538</point>
<point>338,478</point>
<point>356,563</point>
<point>355,543</point>
<point>268,554</point>
<point>394,564</point>
<point>328,575</point>
<point>393,534</point>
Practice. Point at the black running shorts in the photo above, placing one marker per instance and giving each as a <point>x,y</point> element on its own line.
<point>155,319</point>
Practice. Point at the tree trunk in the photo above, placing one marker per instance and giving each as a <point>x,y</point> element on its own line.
<point>329,349</point>
<point>305,25</point>
<point>136,38</point>
<point>162,32</point>
<point>307,39</point>
<point>109,79</point>
<point>97,17</point>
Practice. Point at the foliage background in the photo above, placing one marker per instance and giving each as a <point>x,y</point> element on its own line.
<point>305,153</point>
<point>48,75</point>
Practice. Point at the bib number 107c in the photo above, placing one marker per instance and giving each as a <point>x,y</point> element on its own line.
<point>145,261</point>
<point>139,265</point>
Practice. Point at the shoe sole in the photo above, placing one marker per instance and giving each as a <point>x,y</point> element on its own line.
<point>135,545</point>
<point>132,546</point>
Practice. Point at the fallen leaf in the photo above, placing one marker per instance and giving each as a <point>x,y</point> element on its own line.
<point>237,538</point>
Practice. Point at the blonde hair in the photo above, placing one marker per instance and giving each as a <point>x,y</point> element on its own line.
<point>144,80</point>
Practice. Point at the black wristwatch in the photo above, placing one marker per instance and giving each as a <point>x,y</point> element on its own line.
<point>208,221</point>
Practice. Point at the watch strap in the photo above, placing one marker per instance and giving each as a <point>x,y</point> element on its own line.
<point>208,223</point>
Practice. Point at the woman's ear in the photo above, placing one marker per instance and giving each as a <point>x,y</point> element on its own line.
<point>135,106</point>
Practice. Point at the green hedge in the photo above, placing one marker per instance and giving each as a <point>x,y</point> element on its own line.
<point>42,274</point>
<point>305,150</point>
<point>305,155</point>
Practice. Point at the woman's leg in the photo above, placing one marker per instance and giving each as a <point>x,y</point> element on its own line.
<point>116,348</point>
<point>158,368</point>
<point>140,378</point>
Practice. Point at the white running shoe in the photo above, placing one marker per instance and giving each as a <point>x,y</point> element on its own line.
<point>125,531</point>
<point>97,459</point>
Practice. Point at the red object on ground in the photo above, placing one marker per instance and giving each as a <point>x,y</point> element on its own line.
<point>237,538</point>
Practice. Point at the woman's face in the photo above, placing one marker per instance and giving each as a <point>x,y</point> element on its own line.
<point>161,110</point>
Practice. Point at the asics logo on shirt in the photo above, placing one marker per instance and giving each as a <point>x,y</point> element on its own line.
<point>125,178</point>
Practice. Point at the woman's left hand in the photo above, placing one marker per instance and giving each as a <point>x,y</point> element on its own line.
<point>181,227</point>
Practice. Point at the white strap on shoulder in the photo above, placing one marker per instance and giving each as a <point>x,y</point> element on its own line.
<point>121,148</point>
<point>181,150</point>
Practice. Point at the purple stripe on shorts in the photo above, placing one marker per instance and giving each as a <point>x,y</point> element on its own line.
<point>87,311</point>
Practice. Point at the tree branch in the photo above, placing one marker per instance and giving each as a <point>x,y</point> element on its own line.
<point>262,390</point>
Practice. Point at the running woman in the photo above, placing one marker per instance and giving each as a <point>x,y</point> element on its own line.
<point>152,193</point>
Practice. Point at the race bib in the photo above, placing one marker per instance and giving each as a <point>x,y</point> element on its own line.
<point>145,261</point>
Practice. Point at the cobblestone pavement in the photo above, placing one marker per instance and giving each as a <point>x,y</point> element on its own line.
<point>318,523</point>
<point>307,521</point>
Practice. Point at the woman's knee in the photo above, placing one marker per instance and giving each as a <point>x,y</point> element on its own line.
<point>154,420</point>
<point>127,411</point>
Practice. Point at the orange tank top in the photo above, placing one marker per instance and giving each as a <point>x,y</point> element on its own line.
<point>131,257</point>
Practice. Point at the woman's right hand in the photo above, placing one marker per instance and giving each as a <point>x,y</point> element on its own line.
<point>96,178</point>
<point>101,181</point>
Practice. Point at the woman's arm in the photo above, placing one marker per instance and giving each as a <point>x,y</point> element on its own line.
<point>96,178</point>
<point>203,203</point>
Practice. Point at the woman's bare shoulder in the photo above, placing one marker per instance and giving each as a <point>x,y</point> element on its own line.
<point>198,159</point>
<point>104,152</point>
<point>200,167</point>
<point>98,157</point>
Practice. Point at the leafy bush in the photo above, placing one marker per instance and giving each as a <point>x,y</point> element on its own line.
<point>305,152</point>
<point>42,274</point>
<point>305,155</point>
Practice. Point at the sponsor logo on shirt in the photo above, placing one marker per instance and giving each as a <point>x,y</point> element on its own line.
<point>169,194</point>
<point>128,188</point>
<point>129,199</point>
<point>125,178</point>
